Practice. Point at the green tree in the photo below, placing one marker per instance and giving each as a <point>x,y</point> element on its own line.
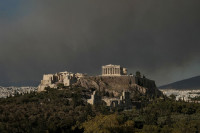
<point>173,97</point>
<point>150,129</point>
<point>138,74</point>
<point>60,85</point>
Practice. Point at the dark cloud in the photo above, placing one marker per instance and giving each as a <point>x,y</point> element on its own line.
<point>159,38</point>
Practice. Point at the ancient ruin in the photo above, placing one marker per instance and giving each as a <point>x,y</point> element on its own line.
<point>114,78</point>
<point>113,70</point>
<point>65,78</point>
<point>122,102</point>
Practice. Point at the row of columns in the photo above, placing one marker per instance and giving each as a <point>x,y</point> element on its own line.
<point>111,70</point>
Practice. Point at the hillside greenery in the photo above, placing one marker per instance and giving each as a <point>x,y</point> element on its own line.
<point>67,111</point>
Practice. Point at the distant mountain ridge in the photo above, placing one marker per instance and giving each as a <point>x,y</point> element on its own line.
<point>189,84</point>
<point>20,83</point>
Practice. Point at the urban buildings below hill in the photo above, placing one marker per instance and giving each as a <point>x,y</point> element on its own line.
<point>12,91</point>
<point>184,95</point>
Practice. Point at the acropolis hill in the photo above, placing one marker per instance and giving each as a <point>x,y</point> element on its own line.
<point>114,78</point>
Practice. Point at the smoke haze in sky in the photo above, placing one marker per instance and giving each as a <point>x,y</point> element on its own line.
<point>157,37</point>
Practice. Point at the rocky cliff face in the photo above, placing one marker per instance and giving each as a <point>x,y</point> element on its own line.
<point>118,84</point>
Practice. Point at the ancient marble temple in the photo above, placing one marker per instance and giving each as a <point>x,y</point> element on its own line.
<point>113,70</point>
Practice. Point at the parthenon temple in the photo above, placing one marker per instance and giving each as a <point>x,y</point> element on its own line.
<point>113,70</point>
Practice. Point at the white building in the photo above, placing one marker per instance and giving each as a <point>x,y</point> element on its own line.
<point>95,99</point>
<point>113,70</point>
<point>66,78</point>
<point>184,95</point>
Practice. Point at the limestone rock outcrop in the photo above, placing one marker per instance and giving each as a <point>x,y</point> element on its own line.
<point>118,84</point>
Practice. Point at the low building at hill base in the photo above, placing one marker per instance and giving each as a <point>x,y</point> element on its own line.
<point>123,102</point>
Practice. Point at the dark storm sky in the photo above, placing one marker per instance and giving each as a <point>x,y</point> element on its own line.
<point>161,38</point>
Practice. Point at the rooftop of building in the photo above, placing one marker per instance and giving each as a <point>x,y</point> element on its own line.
<point>111,65</point>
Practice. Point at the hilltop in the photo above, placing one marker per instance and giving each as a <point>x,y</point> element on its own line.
<point>117,84</point>
<point>114,78</point>
<point>186,84</point>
